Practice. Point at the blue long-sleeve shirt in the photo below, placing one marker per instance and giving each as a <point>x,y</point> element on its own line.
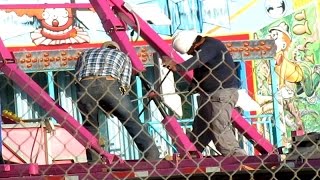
<point>213,67</point>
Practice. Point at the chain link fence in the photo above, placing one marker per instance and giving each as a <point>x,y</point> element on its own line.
<point>43,137</point>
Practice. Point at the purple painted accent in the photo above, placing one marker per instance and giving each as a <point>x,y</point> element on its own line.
<point>42,98</point>
<point>6,167</point>
<point>184,145</point>
<point>311,162</point>
<point>33,169</point>
<point>299,132</point>
<point>251,133</point>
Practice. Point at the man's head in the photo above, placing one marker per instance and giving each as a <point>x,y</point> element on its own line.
<point>110,44</point>
<point>183,41</point>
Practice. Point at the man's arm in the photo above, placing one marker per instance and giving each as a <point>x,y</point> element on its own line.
<point>80,63</point>
<point>201,57</point>
<point>125,75</point>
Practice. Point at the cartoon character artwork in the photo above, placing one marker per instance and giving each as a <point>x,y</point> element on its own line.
<point>289,72</point>
<point>295,66</point>
<point>54,26</point>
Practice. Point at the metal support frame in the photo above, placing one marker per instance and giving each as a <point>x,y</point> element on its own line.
<point>184,146</point>
<point>142,169</point>
<point>40,96</point>
<point>115,16</point>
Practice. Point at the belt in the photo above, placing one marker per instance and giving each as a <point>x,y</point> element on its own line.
<point>110,78</point>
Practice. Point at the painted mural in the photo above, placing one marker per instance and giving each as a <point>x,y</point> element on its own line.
<point>56,26</point>
<point>297,65</point>
<point>43,26</point>
<point>53,26</point>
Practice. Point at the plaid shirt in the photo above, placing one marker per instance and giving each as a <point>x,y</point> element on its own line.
<point>105,62</point>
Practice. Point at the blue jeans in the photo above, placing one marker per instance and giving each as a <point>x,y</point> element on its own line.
<point>101,94</point>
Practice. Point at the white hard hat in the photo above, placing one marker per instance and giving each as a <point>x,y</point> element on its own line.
<point>183,40</point>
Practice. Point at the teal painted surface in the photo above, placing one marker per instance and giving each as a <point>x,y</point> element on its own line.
<point>276,129</point>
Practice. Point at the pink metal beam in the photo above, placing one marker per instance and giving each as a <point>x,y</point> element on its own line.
<point>139,25</point>
<point>41,97</point>
<point>185,147</point>
<point>251,133</point>
<point>117,30</point>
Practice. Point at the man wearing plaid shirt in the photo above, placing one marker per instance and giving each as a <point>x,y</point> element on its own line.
<point>103,76</point>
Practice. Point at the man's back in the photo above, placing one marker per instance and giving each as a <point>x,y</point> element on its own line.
<point>218,71</point>
<point>105,62</point>
<point>104,75</point>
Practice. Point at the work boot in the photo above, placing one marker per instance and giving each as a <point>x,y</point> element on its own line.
<point>93,157</point>
<point>239,152</point>
<point>152,153</point>
<point>1,159</point>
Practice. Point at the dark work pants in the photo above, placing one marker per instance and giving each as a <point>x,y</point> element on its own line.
<point>101,94</point>
<point>213,122</point>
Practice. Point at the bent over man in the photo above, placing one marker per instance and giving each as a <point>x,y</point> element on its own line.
<point>216,81</point>
<point>104,77</point>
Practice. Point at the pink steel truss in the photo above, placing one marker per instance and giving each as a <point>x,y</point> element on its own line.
<point>41,97</point>
<point>115,18</point>
<point>113,25</point>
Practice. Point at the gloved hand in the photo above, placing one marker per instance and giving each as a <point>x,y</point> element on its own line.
<point>169,63</point>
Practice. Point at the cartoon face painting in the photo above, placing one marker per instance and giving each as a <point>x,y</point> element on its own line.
<point>277,36</point>
<point>54,26</point>
<point>57,27</point>
<point>280,34</point>
<point>275,8</point>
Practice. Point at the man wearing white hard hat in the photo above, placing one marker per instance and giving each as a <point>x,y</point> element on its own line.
<point>216,81</point>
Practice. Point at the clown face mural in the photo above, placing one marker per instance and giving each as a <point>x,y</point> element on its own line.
<point>57,27</point>
<point>54,26</point>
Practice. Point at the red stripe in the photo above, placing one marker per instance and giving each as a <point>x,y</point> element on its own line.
<point>123,174</point>
<point>192,170</point>
<point>54,178</point>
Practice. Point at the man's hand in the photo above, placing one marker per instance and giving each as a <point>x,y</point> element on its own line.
<point>169,63</point>
<point>123,90</point>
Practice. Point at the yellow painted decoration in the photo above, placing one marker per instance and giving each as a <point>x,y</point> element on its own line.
<point>297,4</point>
